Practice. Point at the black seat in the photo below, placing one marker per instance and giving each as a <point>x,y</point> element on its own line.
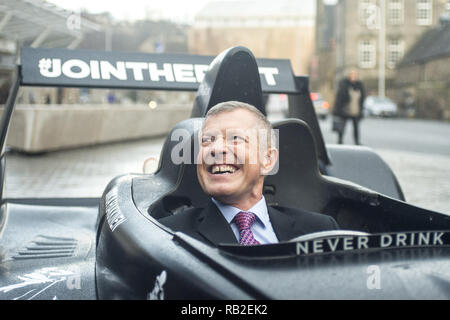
<point>233,75</point>
<point>298,182</point>
<point>174,186</point>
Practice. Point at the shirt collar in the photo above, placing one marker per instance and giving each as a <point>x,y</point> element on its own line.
<point>259,209</point>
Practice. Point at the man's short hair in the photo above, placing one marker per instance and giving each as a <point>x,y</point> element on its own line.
<point>229,106</point>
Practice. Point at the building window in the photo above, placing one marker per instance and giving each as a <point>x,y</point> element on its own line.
<point>447,8</point>
<point>367,54</point>
<point>394,52</point>
<point>395,12</point>
<point>424,12</point>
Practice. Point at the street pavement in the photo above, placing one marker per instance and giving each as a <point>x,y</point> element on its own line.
<point>421,136</point>
<point>417,151</point>
<point>82,172</point>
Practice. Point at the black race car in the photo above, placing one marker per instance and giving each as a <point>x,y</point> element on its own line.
<point>115,248</point>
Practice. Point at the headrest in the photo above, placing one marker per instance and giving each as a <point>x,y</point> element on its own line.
<point>297,183</point>
<point>179,147</point>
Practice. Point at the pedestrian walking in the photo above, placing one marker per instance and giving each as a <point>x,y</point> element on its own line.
<point>349,106</point>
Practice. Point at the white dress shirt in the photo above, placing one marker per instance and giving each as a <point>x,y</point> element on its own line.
<point>262,227</point>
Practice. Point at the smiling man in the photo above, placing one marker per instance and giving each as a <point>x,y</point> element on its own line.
<point>237,150</point>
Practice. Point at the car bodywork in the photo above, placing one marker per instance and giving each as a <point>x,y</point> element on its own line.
<point>115,248</point>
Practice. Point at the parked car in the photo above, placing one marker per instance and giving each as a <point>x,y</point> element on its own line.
<point>380,107</point>
<point>321,106</point>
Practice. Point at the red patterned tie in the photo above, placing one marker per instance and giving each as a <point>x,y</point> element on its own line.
<point>244,221</point>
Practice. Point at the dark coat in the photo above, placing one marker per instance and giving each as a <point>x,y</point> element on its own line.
<point>210,226</point>
<point>343,97</point>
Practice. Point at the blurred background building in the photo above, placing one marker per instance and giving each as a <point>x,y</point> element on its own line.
<point>347,38</point>
<point>37,23</point>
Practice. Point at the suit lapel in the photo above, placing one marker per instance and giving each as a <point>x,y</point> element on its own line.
<point>285,227</point>
<point>214,227</point>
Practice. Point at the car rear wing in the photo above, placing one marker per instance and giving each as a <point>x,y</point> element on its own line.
<point>119,70</point>
<point>108,69</point>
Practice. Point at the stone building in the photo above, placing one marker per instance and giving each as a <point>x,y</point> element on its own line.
<point>349,39</point>
<point>270,29</point>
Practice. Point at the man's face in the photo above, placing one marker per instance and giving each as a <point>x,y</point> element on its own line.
<point>230,167</point>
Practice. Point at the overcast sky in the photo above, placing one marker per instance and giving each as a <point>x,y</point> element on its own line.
<point>175,10</point>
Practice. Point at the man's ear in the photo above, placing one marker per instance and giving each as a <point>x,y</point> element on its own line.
<point>269,161</point>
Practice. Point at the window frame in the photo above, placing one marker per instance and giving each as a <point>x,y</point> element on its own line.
<point>393,6</point>
<point>397,48</point>
<point>423,6</point>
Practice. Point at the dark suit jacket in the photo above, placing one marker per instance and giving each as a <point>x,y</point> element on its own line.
<point>210,226</point>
